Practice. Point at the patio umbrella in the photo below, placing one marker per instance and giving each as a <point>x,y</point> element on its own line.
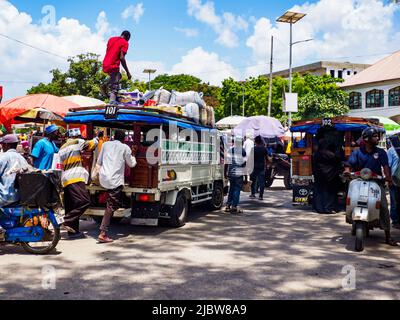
<point>85,102</point>
<point>229,122</point>
<point>38,115</point>
<point>390,125</point>
<point>263,126</point>
<point>15,107</point>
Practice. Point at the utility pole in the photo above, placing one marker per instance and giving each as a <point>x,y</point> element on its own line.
<point>243,101</point>
<point>270,77</point>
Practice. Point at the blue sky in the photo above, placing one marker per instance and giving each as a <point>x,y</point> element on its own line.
<point>156,28</point>
<point>227,38</point>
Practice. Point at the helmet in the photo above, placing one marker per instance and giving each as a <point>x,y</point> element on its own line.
<point>369,133</point>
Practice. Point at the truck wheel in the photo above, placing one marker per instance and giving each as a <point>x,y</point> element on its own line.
<point>353,230</point>
<point>360,236</point>
<point>217,198</point>
<point>179,212</point>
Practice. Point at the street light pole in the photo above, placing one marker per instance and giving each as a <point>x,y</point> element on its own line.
<point>290,67</point>
<point>291,18</point>
<point>270,77</point>
<point>243,101</point>
<point>149,71</point>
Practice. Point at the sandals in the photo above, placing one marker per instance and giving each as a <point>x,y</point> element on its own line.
<point>104,239</point>
<point>228,209</point>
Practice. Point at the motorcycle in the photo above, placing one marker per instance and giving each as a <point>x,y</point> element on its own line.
<point>37,230</point>
<point>280,166</point>
<point>363,205</point>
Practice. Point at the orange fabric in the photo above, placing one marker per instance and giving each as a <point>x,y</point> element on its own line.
<point>15,107</point>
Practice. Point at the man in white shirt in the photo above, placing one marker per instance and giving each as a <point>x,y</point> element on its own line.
<point>112,160</point>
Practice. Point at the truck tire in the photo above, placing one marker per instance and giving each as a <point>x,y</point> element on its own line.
<point>360,236</point>
<point>179,212</point>
<point>217,201</point>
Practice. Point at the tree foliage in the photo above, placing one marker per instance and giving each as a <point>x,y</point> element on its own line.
<point>318,97</point>
<point>83,77</point>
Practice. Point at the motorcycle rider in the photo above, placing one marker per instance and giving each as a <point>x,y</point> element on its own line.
<point>374,158</point>
<point>10,160</point>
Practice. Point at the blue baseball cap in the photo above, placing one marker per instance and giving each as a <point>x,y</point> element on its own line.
<point>51,129</point>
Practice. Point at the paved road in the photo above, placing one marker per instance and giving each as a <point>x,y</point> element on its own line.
<point>273,251</point>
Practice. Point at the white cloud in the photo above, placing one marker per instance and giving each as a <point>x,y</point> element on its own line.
<point>340,29</point>
<point>23,67</point>
<point>206,66</point>
<point>226,26</point>
<point>136,12</point>
<point>102,25</point>
<point>190,33</point>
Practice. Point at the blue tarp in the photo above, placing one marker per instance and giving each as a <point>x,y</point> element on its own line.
<point>313,128</point>
<point>91,116</point>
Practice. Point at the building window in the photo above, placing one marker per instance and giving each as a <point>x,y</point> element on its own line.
<point>332,73</point>
<point>375,99</point>
<point>340,74</point>
<point>355,100</point>
<point>394,97</point>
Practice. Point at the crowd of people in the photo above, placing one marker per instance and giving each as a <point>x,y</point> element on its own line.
<point>113,156</point>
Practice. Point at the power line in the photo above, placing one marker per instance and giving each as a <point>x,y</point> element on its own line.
<point>33,47</point>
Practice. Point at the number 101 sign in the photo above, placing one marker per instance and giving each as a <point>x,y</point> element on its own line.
<point>111,112</point>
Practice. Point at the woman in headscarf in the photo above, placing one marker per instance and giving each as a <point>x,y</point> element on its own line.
<point>327,169</point>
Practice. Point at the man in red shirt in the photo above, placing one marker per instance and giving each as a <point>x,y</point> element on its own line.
<point>117,48</point>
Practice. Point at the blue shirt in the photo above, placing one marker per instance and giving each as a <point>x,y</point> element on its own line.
<point>393,159</point>
<point>8,162</point>
<point>375,160</point>
<point>43,152</point>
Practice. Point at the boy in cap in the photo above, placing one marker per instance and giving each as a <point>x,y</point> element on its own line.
<point>9,160</point>
<point>44,150</point>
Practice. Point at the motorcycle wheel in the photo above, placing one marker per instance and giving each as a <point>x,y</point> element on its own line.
<point>52,237</point>
<point>360,236</point>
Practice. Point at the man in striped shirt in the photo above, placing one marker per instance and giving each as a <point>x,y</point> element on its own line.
<point>74,180</point>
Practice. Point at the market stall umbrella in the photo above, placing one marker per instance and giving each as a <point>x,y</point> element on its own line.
<point>390,125</point>
<point>15,107</point>
<point>85,102</point>
<point>229,122</point>
<point>263,126</point>
<point>38,115</point>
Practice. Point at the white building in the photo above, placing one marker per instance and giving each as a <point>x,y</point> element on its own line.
<point>342,70</point>
<point>376,90</point>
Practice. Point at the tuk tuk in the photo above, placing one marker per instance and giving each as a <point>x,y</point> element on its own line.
<point>345,132</point>
<point>179,164</point>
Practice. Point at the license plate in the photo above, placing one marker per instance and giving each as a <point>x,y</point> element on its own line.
<point>59,219</point>
<point>111,112</point>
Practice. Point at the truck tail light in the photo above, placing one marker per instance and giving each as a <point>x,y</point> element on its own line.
<point>378,205</point>
<point>145,197</point>
<point>348,201</point>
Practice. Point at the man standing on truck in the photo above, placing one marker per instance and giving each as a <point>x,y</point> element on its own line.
<point>74,179</point>
<point>112,160</point>
<point>117,48</point>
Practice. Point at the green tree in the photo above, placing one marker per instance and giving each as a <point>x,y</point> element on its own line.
<point>83,77</point>
<point>318,97</point>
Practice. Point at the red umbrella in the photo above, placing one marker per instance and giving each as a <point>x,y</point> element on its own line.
<point>15,107</point>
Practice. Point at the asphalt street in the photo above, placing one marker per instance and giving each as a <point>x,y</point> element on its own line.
<point>272,251</point>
